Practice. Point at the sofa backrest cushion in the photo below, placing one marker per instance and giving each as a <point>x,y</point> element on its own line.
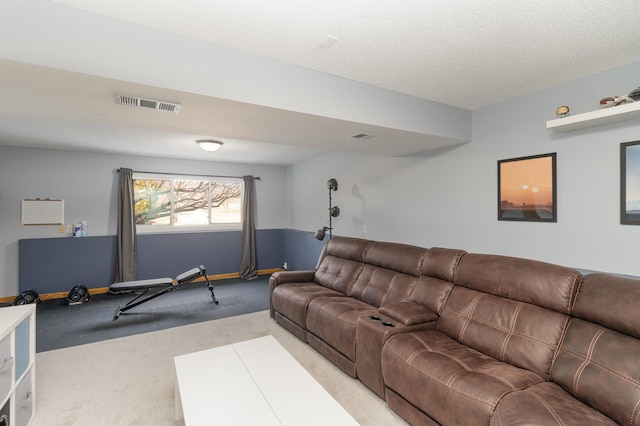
<point>598,360</point>
<point>600,367</point>
<point>611,301</point>
<point>378,286</point>
<point>346,248</point>
<point>520,334</point>
<point>436,280</point>
<point>402,258</point>
<point>441,262</point>
<point>539,283</point>
<point>390,273</point>
<point>340,263</point>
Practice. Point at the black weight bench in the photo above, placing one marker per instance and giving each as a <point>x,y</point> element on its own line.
<point>165,284</point>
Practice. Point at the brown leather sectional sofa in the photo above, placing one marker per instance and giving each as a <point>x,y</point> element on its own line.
<point>456,338</point>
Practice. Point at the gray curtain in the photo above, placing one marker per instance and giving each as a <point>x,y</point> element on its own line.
<point>248,260</point>
<point>126,266</point>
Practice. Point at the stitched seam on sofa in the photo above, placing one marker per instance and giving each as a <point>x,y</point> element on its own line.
<point>419,271</point>
<point>551,345</point>
<point>574,296</point>
<point>496,415</point>
<point>557,351</point>
<point>634,414</point>
<point>303,295</point>
<point>510,332</point>
<point>604,367</point>
<point>460,391</point>
<point>354,320</point>
<point>489,403</point>
<point>355,278</point>
<point>468,318</point>
<point>633,419</point>
<point>455,266</point>
<point>575,289</point>
<point>387,289</point>
<point>595,363</point>
<point>459,362</point>
<point>365,251</point>
<point>446,297</point>
<point>587,361</point>
<point>548,407</point>
<point>410,292</point>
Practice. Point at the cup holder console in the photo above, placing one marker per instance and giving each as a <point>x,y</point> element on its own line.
<point>385,323</point>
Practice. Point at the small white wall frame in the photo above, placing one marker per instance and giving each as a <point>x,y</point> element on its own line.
<point>42,211</point>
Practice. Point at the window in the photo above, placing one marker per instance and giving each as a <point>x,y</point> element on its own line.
<point>166,202</point>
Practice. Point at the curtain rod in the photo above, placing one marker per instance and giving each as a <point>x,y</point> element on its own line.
<point>189,174</point>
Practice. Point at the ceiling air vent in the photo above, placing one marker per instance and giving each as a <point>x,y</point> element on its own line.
<point>364,136</point>
<point>147,103</point>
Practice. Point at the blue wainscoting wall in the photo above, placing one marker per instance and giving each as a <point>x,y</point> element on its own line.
<point>52,265</point>
<point>301,249</point>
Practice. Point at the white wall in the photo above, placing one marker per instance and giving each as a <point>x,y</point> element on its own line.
<point>88,184</point>
<point>449,197</point>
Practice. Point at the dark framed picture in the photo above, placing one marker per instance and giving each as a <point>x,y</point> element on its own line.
<point>527,189</point>
<point>630,183</point>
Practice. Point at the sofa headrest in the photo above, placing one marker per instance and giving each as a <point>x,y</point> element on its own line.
<point>530,281</point>
<point>441,262</point>
<point>347,248</point>
<point>397,257</point>
<point>611,301</point>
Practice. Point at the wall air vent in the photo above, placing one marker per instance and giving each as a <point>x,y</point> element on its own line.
<point>147,103</point>
<point>364,136</point>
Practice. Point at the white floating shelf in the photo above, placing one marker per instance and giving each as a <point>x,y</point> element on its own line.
<point>596,118</point>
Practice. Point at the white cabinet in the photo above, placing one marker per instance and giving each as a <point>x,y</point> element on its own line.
<point>17,364</point>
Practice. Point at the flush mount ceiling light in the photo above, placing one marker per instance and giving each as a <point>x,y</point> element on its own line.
<point>209,145</point>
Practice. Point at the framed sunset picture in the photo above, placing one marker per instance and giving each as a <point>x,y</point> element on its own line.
<point>527,189</point>
<point>630,183</point>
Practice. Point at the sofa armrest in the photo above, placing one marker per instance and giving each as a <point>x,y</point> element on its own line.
<point>283,277</point>
<point>408,313</point>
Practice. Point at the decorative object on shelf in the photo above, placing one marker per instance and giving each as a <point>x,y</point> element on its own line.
<point>334,211</point>
<point>562,111</point>
<point>527,189</point>
<point>635,94</point>
<point>629,184</point>
<point>599,117</point>
<point>619,100</point>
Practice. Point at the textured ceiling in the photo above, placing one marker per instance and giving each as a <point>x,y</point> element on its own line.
<point>466,53</point>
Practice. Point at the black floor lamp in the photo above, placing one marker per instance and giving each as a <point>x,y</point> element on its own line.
<point>334,211</point>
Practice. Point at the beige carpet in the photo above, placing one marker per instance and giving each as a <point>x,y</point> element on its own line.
<point>131,380</point>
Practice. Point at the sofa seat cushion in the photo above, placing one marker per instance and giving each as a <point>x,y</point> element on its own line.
<point>546,404</point>
<point>291,299</point>
<point>452,383</point>
<point>334,320</point>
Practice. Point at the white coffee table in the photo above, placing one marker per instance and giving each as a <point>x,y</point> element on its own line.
<point>255,382</point>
